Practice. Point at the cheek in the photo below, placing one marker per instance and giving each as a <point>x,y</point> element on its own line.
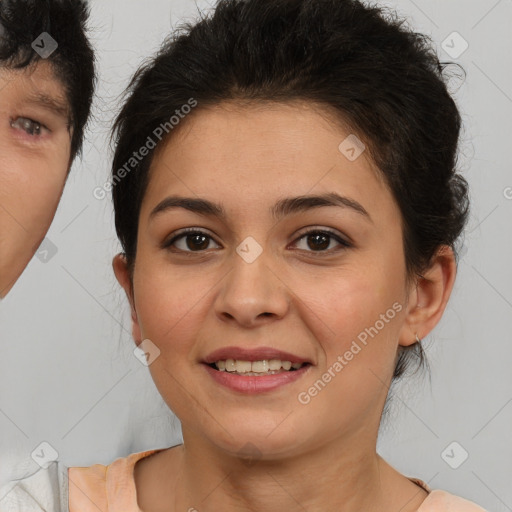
<point>170,311</point>
<point>29,195</point>
<point>363,308</point>
<point>170,303</point>
<point>352,299</point>
<point>30,190</point>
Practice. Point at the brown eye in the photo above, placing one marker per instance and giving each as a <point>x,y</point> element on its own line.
<point>318,241</point>
<point>194,241</point>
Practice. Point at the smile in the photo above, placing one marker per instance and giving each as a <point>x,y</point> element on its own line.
<point>251,383</point>
<point>255,368</point>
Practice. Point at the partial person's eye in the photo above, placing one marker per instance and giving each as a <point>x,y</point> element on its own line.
<point>197,240</point>
<point>29,126</point>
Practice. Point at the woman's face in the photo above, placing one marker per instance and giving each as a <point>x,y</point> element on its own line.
<point>251,281</point>
<point>35,146</point>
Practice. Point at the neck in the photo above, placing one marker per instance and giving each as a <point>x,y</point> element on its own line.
<point>328,477</point>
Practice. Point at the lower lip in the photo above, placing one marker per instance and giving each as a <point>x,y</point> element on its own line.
<point>253,385</point>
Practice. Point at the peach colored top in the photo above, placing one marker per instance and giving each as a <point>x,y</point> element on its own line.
<point>111,488</point>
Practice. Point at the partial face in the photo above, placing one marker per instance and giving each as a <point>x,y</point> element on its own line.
<point>320,285</point>
<point>35,146</point>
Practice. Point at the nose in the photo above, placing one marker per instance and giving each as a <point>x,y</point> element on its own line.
<point>252,293</point>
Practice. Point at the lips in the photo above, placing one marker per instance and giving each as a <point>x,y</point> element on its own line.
<point>255,354</point>
<point>251,385</point>
<point>228,367</point>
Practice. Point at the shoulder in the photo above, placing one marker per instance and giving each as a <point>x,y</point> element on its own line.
<point>46,489</point>
<point>442,501</point>
<point>92,488</point>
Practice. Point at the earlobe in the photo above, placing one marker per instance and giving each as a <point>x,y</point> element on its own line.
<point>123,277</point>
<point>429,297</point>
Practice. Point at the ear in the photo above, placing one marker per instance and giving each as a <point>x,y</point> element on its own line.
<point>124,279</point>
<point>428,297</point>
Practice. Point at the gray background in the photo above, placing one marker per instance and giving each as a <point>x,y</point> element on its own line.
<point>68,375</point>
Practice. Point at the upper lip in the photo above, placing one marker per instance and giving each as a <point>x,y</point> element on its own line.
<point>253,354</point>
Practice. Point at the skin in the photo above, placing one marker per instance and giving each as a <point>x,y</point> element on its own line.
<point>34,162</point>
<point>321,455</point>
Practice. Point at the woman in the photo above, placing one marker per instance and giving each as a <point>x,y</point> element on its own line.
<point>286,197</point>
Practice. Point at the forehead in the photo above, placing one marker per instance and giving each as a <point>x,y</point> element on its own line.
<point>256,150</point>
<point>36,84</point>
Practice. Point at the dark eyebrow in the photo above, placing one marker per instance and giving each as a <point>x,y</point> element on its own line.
<point>50,103</point>
<point>282,208</point>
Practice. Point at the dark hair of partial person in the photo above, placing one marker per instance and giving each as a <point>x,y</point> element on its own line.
<point>22,21</point>
<point>360,62</point>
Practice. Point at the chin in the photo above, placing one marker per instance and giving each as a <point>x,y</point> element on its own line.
<point>257,442</point>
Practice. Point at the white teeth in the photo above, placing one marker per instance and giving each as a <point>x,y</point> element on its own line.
<point>256,367</point>
<point>260,366</point>
<point>274,364</point>
<point>243,366</point>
